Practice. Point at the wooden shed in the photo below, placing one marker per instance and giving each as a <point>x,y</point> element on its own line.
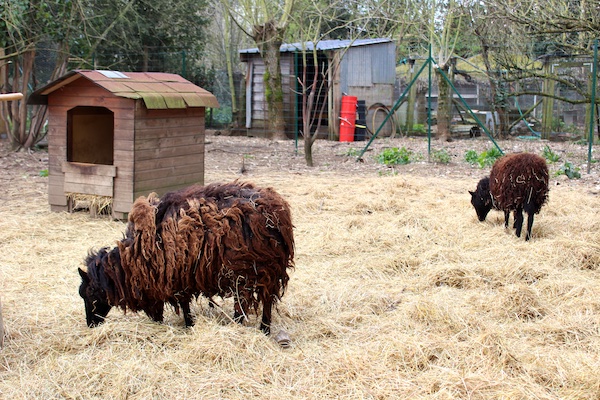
<point>114,136</point>
<point>365,68</point>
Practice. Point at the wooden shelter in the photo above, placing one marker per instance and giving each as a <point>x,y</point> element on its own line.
<point>114,136</point>
<point>364,68</point>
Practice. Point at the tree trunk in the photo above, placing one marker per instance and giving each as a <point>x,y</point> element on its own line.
<point>229,62</point>
<point>444,106</point>
<point>313,88</point>
<point>268,38</point>
<point>308,151</point>
<point>5,109</point>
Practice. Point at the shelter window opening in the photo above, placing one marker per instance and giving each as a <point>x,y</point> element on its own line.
<point>90,135</point>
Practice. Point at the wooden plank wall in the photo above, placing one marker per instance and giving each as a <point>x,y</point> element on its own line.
<point>169,149</point>
<point>259,113</point>
<point>87,178</point>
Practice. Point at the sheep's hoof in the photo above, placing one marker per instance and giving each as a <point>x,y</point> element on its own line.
<point>283,338</point>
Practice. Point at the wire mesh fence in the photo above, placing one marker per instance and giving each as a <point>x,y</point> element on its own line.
<point>536,106</point>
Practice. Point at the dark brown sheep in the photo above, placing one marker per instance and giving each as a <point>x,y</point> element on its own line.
<point>218,240</point>
<point>518,182</point>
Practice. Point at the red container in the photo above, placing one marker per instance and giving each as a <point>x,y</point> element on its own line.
<point>348,118</point>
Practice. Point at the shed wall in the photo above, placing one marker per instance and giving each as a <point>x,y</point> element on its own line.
<point>169,149</point>
<point>255,92</point>
<point>367,72</point>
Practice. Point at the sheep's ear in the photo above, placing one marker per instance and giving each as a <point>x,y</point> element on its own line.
<point>83,275</point>
<point>472,193</point>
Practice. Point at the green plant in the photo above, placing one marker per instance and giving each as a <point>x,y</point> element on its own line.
<point>441,156</point>
<point>352,152</point>
<point>418,128</point>
<point>395,156</point>
<point>44,172</point>
<point>485,159</point>
<point>569,170</point>
<point>557,125</point>
<point>550,155</point>
<point>471,156</point>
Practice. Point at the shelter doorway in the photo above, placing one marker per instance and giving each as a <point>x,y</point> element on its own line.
<point>321,88</point>
<point>90,135</point>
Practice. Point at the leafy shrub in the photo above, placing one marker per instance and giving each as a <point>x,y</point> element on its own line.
<point>549,155</point>
<point>485,159</point>
<point>418,128</point>
<point>569,170</point>
<point>471,156</point>
<point>395,156</point>
<point>441,156</point>
<point>44,172</point>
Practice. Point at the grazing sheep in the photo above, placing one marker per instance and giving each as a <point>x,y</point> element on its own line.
<point>218,240</point>
<point>518,182</point>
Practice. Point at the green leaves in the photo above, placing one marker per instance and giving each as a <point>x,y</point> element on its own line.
<point>485,159</point>
<point>549,155</point>
<point>569,170</point>
<point>395,156</point>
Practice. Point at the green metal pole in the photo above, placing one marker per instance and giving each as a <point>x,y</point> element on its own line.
<point>430,62</point>
<point>592,118</point>
<point>464,103</point>
<point>296,55</point>
<point>392,111</point>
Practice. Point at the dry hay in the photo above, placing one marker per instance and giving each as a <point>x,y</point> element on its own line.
<point>94,203</point>
<point>398,292</point>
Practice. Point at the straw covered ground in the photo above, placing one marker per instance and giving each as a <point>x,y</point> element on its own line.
<point>398,290</point>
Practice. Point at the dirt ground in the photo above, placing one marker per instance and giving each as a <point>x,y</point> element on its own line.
<point>245,157</point>
<point>260,156</point>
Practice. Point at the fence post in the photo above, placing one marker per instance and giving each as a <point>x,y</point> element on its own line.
<point>593,99</point>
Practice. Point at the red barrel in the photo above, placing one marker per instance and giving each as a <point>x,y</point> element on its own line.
<point>348,118</point>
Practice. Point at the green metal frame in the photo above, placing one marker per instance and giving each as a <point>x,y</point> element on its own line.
<point>592,119</point>
<point>430,63</point>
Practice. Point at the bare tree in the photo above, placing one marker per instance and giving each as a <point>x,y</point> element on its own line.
<point>266,22</point>
<point>28,26</point>
<point>315,21</point>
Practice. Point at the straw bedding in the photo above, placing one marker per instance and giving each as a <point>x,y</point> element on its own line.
<point>398,292</point>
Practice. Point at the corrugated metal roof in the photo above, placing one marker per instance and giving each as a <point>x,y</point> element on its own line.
<point>322,45</point>
<point>157,89</point>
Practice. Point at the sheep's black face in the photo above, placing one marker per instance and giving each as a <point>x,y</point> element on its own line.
<point>481,204</point>
<point>482,199</point>
<point>96,305</point>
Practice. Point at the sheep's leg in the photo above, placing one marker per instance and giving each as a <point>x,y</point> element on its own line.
<point>529,225</point>
<point>187,315</point>
<point>518,221</point>
<point>265,324</point>
<point>506,216</point>
<point>155,312</point>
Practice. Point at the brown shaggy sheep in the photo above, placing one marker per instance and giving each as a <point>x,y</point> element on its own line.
<point>217,240</point>
<point>518,182</point>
